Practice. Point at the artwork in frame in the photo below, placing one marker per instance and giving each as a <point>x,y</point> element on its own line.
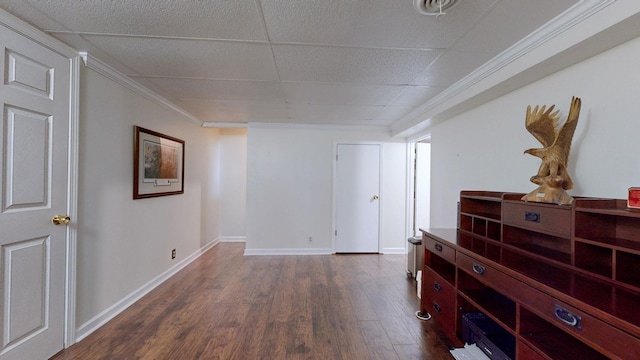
<point>158,164</point>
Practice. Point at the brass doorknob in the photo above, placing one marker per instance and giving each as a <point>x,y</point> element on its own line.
<point>60,220</point>
<point>376,197</point>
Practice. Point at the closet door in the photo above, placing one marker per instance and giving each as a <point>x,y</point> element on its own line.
<point>357,198</point>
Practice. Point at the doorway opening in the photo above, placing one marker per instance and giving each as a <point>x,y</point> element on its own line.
<point>419,202</point>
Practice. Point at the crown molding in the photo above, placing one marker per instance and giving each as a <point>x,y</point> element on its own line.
<point>327,127</point>
<point>224,125</point>
<point>19,26</point>
<point>417,120</point>
<point>113,74</point>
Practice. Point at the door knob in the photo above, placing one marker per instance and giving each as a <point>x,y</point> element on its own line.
<point>60,220</point>
<point>376,197</point>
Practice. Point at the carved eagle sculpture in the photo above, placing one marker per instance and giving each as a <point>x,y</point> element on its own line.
<point>552,176</point>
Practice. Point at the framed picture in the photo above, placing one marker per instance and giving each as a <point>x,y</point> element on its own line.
<point>158,164</point>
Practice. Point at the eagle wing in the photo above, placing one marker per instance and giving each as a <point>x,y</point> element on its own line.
<point>542,124</point>
<point>563,142</point>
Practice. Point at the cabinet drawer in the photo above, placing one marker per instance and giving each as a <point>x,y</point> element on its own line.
<point>439,248</point>
<point>551,219</point>
<point>439,299</point>
<point>438,289</point>
<point>444,314</point>
<point>598,334</point>
<point>495,279</point>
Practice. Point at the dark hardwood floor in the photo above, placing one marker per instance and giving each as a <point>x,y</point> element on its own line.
<point>228,306</point>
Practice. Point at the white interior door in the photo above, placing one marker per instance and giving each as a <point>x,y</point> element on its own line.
<point>357,198</point>
<point>34,143</point>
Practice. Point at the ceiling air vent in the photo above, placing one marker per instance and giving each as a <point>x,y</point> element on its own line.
<point>433,7</point>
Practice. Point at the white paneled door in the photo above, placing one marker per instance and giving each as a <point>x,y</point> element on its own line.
<point>34,144</point>
<point>357,198</point>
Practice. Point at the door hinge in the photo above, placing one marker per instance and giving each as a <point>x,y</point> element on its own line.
<point>336,233</point>
<point>336,157</point>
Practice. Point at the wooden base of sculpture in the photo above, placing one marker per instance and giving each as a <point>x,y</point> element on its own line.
<point>547,194</point>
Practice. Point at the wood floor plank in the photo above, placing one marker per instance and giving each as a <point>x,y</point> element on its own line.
<point>362,307</point>
<point>378,343</point>
<point>247,345</point>
<point>228,306</point>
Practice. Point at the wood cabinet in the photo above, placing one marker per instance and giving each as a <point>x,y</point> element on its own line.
<point>562,281</point>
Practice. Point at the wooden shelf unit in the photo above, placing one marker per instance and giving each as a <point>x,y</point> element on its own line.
<point>480,213</point>
<point>564,281</point>
<point>607,240</point>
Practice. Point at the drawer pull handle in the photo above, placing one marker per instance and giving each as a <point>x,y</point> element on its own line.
<point>487,350</point>
<point>531,216</point>
<point>438,247</point>
<point>479,269</point>
<point>437,286</point>
<point>567,317</point>
<point>437,307</point>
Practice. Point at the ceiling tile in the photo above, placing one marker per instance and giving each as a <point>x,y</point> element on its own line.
<point>350,65</point>
<point>391,113</point>
<point>190,58</point>
<point>235,111</point>
<point>206,19</point>
<point>340,94</point>
<point>509,23</point>
<point>451,67</point>
<point>224,90</point>
<point>79,43</point>
<point>416,95</point>
<point>376,23</point>
<point>334,114</point>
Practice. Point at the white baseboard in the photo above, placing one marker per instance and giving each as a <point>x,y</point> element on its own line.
<point>102,318</point>
<point>394,251</point>
<point>233,239</point>
<point>251,252</point>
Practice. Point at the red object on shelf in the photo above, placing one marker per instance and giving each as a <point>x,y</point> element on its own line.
<point>634,198</point>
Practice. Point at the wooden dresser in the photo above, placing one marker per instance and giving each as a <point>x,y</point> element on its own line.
<point>562,281</point>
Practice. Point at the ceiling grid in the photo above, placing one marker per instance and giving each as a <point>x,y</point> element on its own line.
<point>368,63</point>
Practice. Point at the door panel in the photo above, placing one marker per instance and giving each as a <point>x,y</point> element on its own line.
<point>28,75</point>
<point>34,152</point>
<point>26,182</point>
<point>25,301</point>
<point>357,198</point>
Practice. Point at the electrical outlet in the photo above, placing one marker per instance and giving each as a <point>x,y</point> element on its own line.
<point>310,239</point>
<point>173,253</point>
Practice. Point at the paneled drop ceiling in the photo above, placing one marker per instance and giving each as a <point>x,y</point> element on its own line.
<point>323,62</point>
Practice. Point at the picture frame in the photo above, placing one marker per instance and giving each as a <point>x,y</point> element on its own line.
<point>158,164</point>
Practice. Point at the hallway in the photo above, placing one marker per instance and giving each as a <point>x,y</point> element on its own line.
<point>228,306</point>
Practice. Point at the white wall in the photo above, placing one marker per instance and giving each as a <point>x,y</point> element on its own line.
<point>233,184</point>
<point>483,148</point>
<point>123,244</point>
<point>290,188</point>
